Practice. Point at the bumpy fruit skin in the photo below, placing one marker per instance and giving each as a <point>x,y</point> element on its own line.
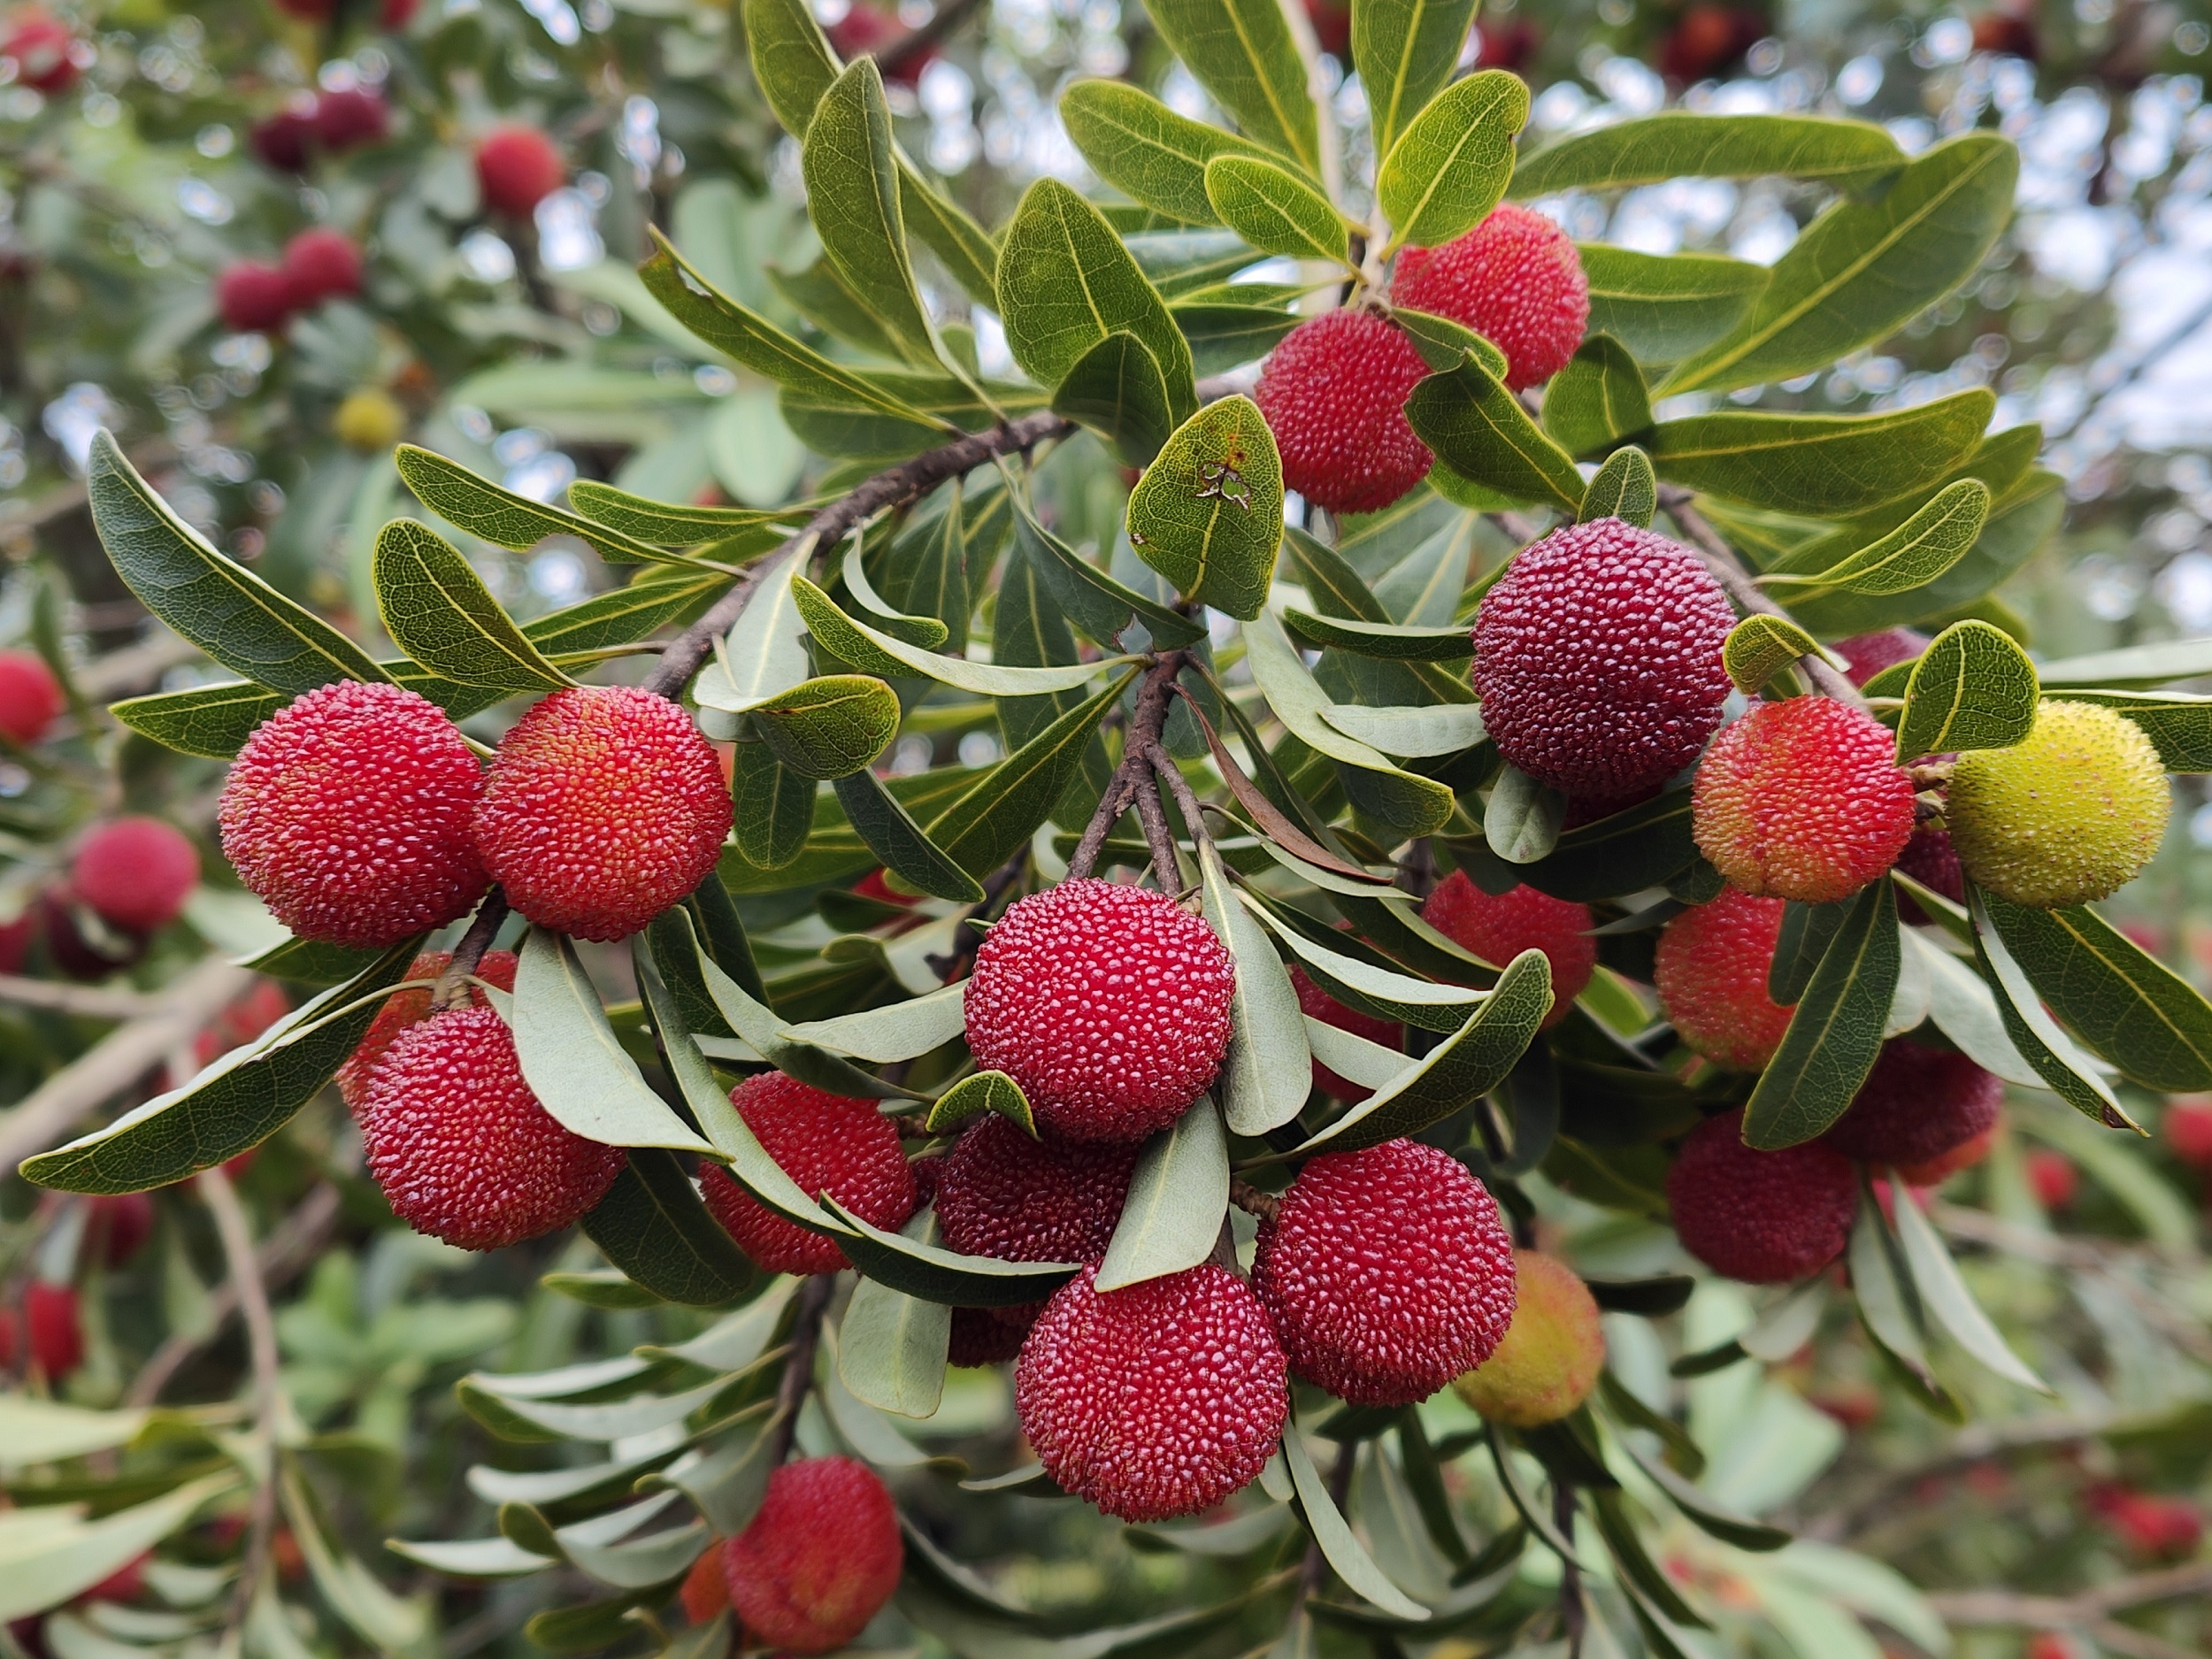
<point>1549,1359</point>
<point>1498,927</point>
<point>254,297</point>
<point>1108,1004</point>
<point>825,1142</point>
<point>1930,859</point>
<point>518,167</point>
<point>1802,799</point>
<point>1916,1105</point>
<point>1598,659</point>
<point>603,807</point>
<point>348,813</point>
<point>1316,1003</point>
<point>322,264</point>
<point>984,1336</point>
<point>135,872</point>
<point>1711,974</point>
<point>53,1328</point>
<point>43,51</point>
<point>2072,814</point>
<point>410,1008</point>
<point>1387,1272</point>
<point>1333,392</point>
<point>461,1148</point>
<point>1867,655</point>
<point>30,696</point>
<point>1515,280</point>
<point>1157,1400</point>
<point>1763,1218</point>
<point>1001,1194</point>
<point>820,1558</point>
<point>370,419</point>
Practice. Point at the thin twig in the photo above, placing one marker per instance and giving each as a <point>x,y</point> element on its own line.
<point>253,1297</point>
<point>955,962</point>
<point>1135,773</point>
<point>90,1001</point>
<point>1185,797</point>
<point>914,41</point>
<point>798,1366</point>
<point>1570,1608</point>
<point>491,915</point>
<point>1252,1201</point>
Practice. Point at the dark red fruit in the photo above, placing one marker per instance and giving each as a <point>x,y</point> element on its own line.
<point>350,115</point>
<point>1916,1105</point>
<point>254,297</point>
<point>1001,1194</point>
<point>1709,39</point>
<point>1316,1003</point>
<point>1598,659</point>
<point>820,1558</point>
<point>282,140</point>
<point>409,1008</point>
<point>2188,1125</point>
<point>706,1588</point>
<point>863,30</point>
<point>323,264</point>
<point>1867,655</point>
<point>2053,1178</point>
<point>1516,280</point>
<point>79,943</point>
<point>1943,1166</point>
<point>1498,927</point>
<point>2007,34</point>
<point>1507,43</point>
<point>986,1336</point>
<point>1711,974</point>
<point>135,872</point>
<point>54,1329</point>
<point>1332,21</point>
<point>117,1227</point>
<point>518,167</point>
<point>15,940</point>
<point>30,696</point>
<point>826,1143</point>
<point>1334,393</point>
<point>1763,1218</point>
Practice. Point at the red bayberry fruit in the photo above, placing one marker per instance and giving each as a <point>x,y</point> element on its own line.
<point>1498,927</point>
<point>1597,658</point>
<point>1936,1170</point>
<point>281,140</point>
<point>124,1583</point>
<point>2007,34</point>
<point>462,1149</point>
<point>1108,1005</point>
<point>117,1227</point>
<point>1333,392</point>
<point>242,1021</point>
<point>1802,799</point>
<point>872,885</point>
<point>348,813</point>
<point>826,1143</point>
<point>2053,1177</point>
<point>603,807</point>
<point>1709,38</point>
<point>1332,21</point>
<point>986,1336</point>
<point>2189,1130</point>
<point>706,1588</point>
<point>322,264</point>
<point>1711,974</point>
<point>518,167</point>
<point>1001,1194</point>
<point>1916,1104</point>
<point>863,30</point>
<point>349,115</point>
<point>1155,1401</point>
<point>1507,43</point>
<point>30,696</point>
<point>820,1558</point>
<point>80,944</point>
<point>405,1009</point>
<point>1316,1003</point>
<point>1762,1218</point>
<point>53,1328</point>
<point>1867,655</point>
<point>1387,1272</point>
<point>11,1336</point>
<point>254,297</point>
<point>43,49</point>
<point>1515,280</point>
<point>2150,1524</point>
<point>15,941</point>
<point>1930,859</point>
<point>135,872</point>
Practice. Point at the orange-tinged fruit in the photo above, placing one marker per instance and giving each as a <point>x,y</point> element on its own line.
<point>603,807</point>
<point>1516,280</point>
<point>1333,392</point>
<point>1551,1355</point>
<point>706,1588</point>
<point>1763,1218</point>
<point>820,1558</point>
<point>1498,927</point>
<point>1710,970</point>
<point>825,1142</point>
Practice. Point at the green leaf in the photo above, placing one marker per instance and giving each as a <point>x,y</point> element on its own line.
<point>1405,52</point>
<point>988,822</point>
<point>234,1104</point>
<point>1824,464</point>
<point>1179,1197</point>
<point>1344,1553</point>
<point>652,1226</point>
<point>1387,641</point>
<point>1624,487</point>
<point>774,808</point>
<point>1266,1072</point>
<point>2056,1059</point>
<point>438,611</point>
<point>852,196</point>
<point>873,652</point>
<point>1417,731</point>
<point>605,1288</point>
<point>906,849</point>
<point>830,727</point>
<point>791,58</point>
<point>1808,930</point>
<point>962,246</point>
<point>1848,154</point>
<point>1065,282</point>
<point>1116,389</point>
<point>502,517</point>
<point>1146,150</point>
<point>211,720</point>
<point>1762,646</point>
<point>1645,846</point>
<point>1242,52</point>
<point>1224,335</point>
<point>1522,818</point>
<point>2178,725</point>
<point>660,596</point>
<point>1945,1295</point>
<point>1972,689</point>
<point>1362,984</point>
<point>668,525</point>
<point>1276,211</point>
<point>820,295</point>
<point>1444,344</point>
<point>1963,1007</point>
<point>1598,400</point>
<point>936,1274</point>
<point>978,1093</point>
<point>217,604</point>
<point>1883,1288</point>
<point>929,632</point>
<point>1472,1061</point>
<point>1664,306</point>
<point>1101,608</point>
<point>1208,514</point>
<point>1864,269</point>
<point>65,1555</point>
<point>2132,667</point>
<point>1917,552</point>
<point>1836,1034</point>
<point>899,1031</point>
<point>1481,431</point>
<point>2123,1002</point>
<point>1449,168</point>
<point>891,1350</point>
<point>574,1062</point>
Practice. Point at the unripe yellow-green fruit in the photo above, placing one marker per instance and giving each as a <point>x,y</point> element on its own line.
<point>1552,1352</point>
<point>2071,815</point>
<point>370,419</point>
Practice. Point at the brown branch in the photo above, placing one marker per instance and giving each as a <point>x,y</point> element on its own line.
<point>1187,801</point>
<point>491,915</point>
<point>1132,778</point>
<point>2089,1612</point>
<point>253,1297</point>
<point>798,1366</point>
<point>953,963</point>
<point>915,41</point>
<point>90,1002</point>
<point>1252,1201</point>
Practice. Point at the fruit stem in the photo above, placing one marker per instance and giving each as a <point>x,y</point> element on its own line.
<point>1252,1201</point>
<point>491,915</point>
<point>798,1365</point>
<point>1133,782</point>
<point>1721,559</point>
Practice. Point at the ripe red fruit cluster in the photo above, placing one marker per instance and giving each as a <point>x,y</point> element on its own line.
<point>1498,927</point>
<point>1516,280</point>
<point>826,1143</point>
<point>1916,1105</point>
<point>335,121</point>
<point>319,265</point>
<point>1003,1195</point>
<point>818,1560</point>
<point>2188,1125</point>
<point>517,167</point>
<point>43,48</point>
<point>1710,971</point>
<point>1334,393</point>
<point>1763,1218</point>
<point>1598,660</point>
<point>2155,1524</point>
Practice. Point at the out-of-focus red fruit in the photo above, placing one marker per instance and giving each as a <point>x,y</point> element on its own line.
<point>518,167</point>
<point>1917,1103</point>
<point>1855,1406</point>
<point>124,1583</point>
<point>79,943</point>
<point>1936,1170</point>
<point>282,140</point>
<point>43,49</point>
<point>1506,43</point>
<point>118,1226</point>
<point>1316,1003</point>
<point>1708,40</point>
<point>2189,1130</point>
<point>2157,1524</point>
<point>308,10</point>
<point>30,696</point>
<point>1867,655</point>
<point>1711,974</point>
<point>135,872</point>
<point>350,116</point>
<point>254,297</point>
<point>2007,34</point>
<point>1498,927</point>
<point>2050,1644</point>
<point>1334,393</point>
<point>323,264</point>
<point>872,885</point>
<point>1332,21</point>
<point>820,1558</point>
<point>11,1338</point>
<point>54,1327</point>
<point>1516,280</point>
<point>706,1589</point>
<point>396,15</point>
<point>863,29</point>
<point>15,940</point>
<point>2053,1178</point>
<point>243,1020</point>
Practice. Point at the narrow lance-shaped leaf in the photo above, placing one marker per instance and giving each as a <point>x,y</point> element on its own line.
<point>1142,147</point>
<point>2178,725</point>
<point>1450,165</point>
<point>1916,553</point>
<point>1821,465</point>
<point>1343,1552</point>
<point>1598,400</point>
<point>774,808</point>
<point>929,633</point>
<point>792,60</point>
<point>1116,390</point>
<point>852,195</point>
<point>1679,144</point>
<point>652,1226</point>
<point>905,846</point>
<point>1522,818</point>
<point>1479,429</point>
<point>1836,1034</point>
<point>1945,1295</point>
<point>1276,211</point>
<point>873,652</point>
<point>501,517</point>
<point>1405,52</point>
<point>1382,992</point>
<point>1100,607</point>
<point>902,1031</point>
<point>1242,52</point>
<point>1178,1196</point>
<point>936,1274</point>
<point>438,611</point>
<point>891,1350</point>
<point>1972,689</point>
<point>1267,1072</point>
<point>981,828</point>
<point>1208,514</point>
<point>2057,1059</point>
<point>1664,306</point>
